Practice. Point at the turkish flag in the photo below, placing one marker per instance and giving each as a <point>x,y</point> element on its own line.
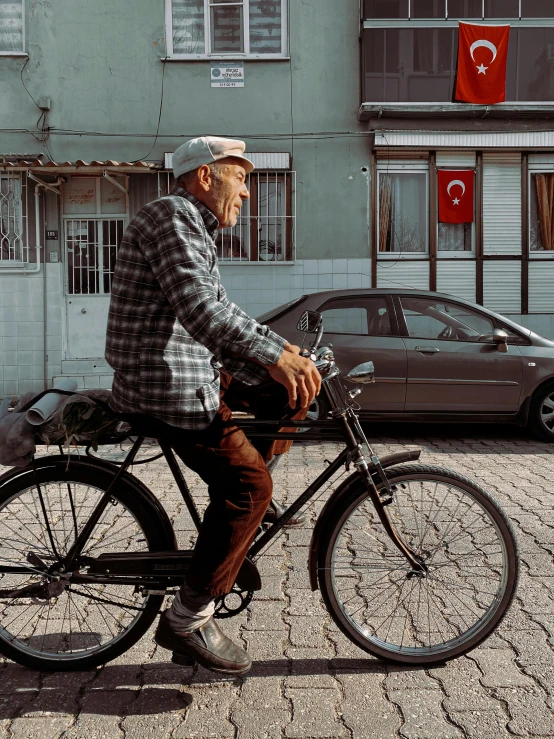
<point>456,195</point>
<point>482,57</point>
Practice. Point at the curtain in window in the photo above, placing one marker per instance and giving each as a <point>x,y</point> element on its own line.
<point>11,25</point>
<point>454,237</point>
<point>385,204</point>
<point>188,26</point>
<point>545,207</point>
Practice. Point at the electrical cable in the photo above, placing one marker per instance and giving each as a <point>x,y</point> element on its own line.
<point>134,161</point>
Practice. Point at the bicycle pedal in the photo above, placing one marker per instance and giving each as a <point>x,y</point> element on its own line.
<point>387,501</point>
<point>182,659</point>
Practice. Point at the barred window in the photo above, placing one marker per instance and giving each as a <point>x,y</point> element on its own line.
<point>11,220</point>
<point>223,27</point>
<point>11,26</point>
<point>265,228</point>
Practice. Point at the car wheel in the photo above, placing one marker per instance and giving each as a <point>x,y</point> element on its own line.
<point>318,409</point>
<point>541,414</point>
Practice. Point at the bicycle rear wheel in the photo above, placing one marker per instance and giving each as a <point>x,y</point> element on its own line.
<point>71,626</point>
<point>469,551</point>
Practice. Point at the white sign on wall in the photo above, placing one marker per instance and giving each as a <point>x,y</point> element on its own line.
<point>227,74</point>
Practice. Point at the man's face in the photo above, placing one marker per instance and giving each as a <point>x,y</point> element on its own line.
<point>226,193</point>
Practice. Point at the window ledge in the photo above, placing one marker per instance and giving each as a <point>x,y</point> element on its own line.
<point>262,262</point>
<point>455,255</point>
<point>395,256</point>
<point>229,58</point>
<point>541,255</point>
<point>509,110</point>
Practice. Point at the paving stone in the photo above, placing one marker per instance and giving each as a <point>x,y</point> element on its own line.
<point>208,714</point>
<point>40,727</point>
<point>482,724</point>
<point>322,722</point>
<point>262,710</point>
<point>461,682</point>
<point>266,616</point>
<point>306,631</point>
<point>531,715</point>
<point>499,668</point>
<point>423,717</point>
<point>366,710</point>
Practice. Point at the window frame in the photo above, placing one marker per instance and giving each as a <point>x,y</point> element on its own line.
<point>415,168</point>
<point>246,54</point>
<point>23,51</point>
<point>412,21</point>
<point>22,222</point>
<point>251,217</point>
<point>471,254</point>
<point>533,170</point>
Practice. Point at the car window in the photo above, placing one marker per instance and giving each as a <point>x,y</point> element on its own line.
<point>345,320</point>
<point>430,318</point>
<point>357,316</point>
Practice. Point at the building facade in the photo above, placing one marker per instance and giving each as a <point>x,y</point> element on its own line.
<point>347,113</point>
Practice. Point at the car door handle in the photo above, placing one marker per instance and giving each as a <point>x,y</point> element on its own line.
<point>427,349</point>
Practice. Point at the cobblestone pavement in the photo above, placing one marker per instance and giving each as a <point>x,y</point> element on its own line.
<point>307,679</point>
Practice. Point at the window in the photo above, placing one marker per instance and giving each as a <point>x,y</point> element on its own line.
<point>11,27</point>
<point>237,28</point>
<point>402,212</point>
<point>541,214</point>
<point>360,315</point>
<point>407,58</point>
<point>265,228</point>
<point>506,9</point>
<point>11,220</point>
<point>428,318</point>
<point>95,217</point>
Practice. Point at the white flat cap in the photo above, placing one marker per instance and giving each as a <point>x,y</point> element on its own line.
<point>205,150</point>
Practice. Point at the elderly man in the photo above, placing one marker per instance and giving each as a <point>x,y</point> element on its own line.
<point>171,329</point>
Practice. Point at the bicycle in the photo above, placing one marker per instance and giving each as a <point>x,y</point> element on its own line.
<point>416,564</point>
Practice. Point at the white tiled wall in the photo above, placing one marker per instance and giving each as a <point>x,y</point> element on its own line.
<point>257,288</point>
<point>22,329</point>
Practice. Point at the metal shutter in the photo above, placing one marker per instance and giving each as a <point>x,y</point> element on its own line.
<point>541,286</point>
<point>404,273</point>
<point>455,159</point>
<point>502,203</point>
<point>502,286</point>
<point>457,277</point>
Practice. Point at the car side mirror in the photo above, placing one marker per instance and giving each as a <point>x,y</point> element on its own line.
<point>500,338</point>
<point>309,322</point>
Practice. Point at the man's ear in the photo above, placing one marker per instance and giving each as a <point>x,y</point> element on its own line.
<point>204,176</point>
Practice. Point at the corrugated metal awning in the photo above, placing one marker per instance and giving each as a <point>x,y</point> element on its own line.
<point>271,160</point>
<point>79,166</point>
<point>465,139</point>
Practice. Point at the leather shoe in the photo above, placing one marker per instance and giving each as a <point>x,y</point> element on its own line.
<point>208,646</point>
<point>276,510</point>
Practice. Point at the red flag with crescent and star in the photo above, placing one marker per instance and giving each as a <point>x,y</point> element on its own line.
<point>482,57</point>
<point>456,195</point>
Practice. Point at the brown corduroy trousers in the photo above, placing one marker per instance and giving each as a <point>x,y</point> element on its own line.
<point>239,484</point>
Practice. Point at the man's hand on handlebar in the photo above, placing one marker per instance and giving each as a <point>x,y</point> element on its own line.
<point>298,374</point>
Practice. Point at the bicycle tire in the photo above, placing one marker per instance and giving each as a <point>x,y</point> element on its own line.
<point>133,517</point>
<point>378,549</point>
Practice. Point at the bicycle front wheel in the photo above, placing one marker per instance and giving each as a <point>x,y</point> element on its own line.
<point>469,552</point>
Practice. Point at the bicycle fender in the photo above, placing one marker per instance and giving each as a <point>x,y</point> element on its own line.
<point>141,490</point>
<point>327,512</point>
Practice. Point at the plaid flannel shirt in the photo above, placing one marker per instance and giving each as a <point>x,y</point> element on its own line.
<point>171,326</point>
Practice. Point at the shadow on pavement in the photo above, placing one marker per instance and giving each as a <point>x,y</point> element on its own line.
<point>133,690</point>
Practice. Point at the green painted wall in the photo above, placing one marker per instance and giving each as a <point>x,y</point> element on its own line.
<point>99,62</point>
